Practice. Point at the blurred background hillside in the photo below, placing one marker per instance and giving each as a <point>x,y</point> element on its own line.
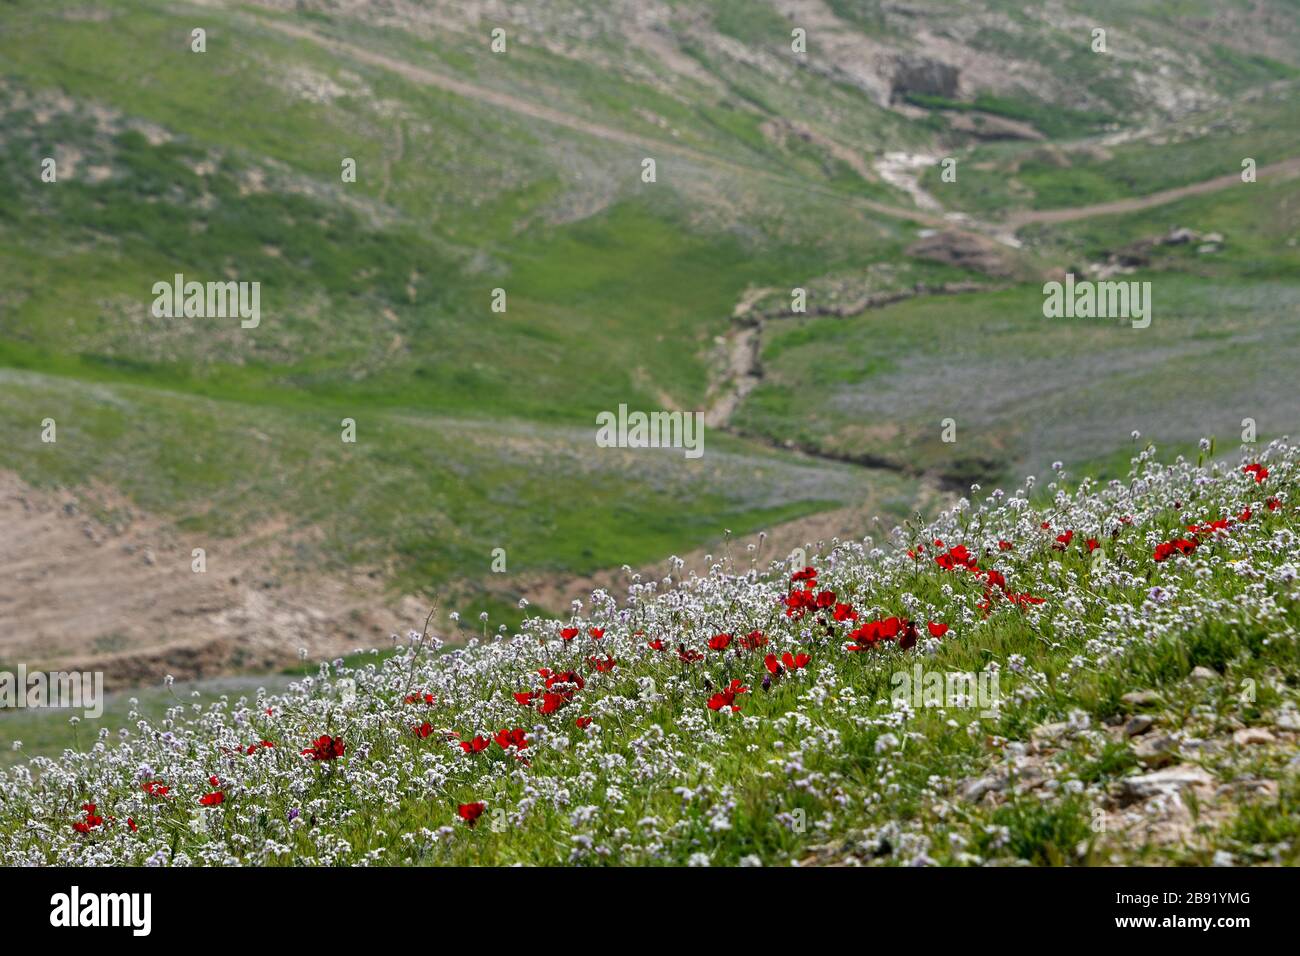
<point>522,170</point>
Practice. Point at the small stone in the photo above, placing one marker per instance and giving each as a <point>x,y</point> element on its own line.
<point>1252,736</point>
<point>974,790</point>
<point>1156,751</point>
<point>1138,725</point>
<point>1030,778</point>
<point>1172,780</point>
<point>1288,720</point>
<point>1201,674</point>
<point>1048,733</point>
<point>1200,748</point>
<point>1141,698</point>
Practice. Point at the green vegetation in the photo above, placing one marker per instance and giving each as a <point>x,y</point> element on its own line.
<point>521,172</point>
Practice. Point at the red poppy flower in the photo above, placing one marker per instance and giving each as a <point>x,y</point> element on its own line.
<point>566,677</point>
<point>795,662</point>
<point>583,723</point>
<point>1063,540</point>
<point>516,738</point>
<point>325,748</point>
<point>753,640</point>
<point>1093,544</point>
<point>423,730</point>
<point>1004,545</point>
<point>826,599</point>
<point>92,820</point>
<point>1273,504</point>
<point>470,812</point>
<point>1177,546</point>
<point>956,557</point>
<point>1258,470</point>
<point>719,642</point>
<point>597,633</point>
<point>727,698</point>
<point>551,702</point>
<point>260,745</point>
<point>602,666</point>
<point>845,612</point>
<point>771,664</point>
<point>688,656</point>
<point>798,602</point>
<point>525,697</point>
<point>418,696</point>
<point>213,799</point>
<point>155,788</point>
<point>131,824</point>
<point>656,645</point>
<point>807,574</point>
<point>569,633</point>
<point>475,746</point>
<point>937,628</point>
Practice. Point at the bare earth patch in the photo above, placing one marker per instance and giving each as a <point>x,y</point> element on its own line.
<point>91,583</point>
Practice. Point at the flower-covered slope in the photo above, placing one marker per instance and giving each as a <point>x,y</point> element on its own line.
<point>1069,674</point>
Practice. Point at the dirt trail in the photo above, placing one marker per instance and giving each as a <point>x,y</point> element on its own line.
<point>523,107</point>
<point>1286,169</point>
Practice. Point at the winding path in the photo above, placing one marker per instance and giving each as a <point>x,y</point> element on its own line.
<point>1284,169</point>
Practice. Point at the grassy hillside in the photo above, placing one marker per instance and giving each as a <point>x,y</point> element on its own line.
<point>1145,710</point>
<point>521,171</point>
<point>476,427</point>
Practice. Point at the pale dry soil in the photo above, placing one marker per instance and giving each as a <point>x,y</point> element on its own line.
<point>88,581</point>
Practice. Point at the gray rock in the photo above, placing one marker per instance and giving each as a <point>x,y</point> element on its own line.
<point>1173,780</point>
<point>920,74</point>
<point>1030,778</point>
<point>1252,736</point>
<point>1138,725</point>
<point>1141,698</point>
<point>1288,720</point>
<point>1045,734</point>
<point>973,790</point>
<point>1201,674</point>
<point>1156,751</point>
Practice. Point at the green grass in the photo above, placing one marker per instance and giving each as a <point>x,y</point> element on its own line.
<point>821,767</point>
<point>475,426</point>
<point>997,177</point>
<point>1025,390</point>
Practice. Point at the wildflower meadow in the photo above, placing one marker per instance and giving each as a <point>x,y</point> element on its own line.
<point>1136,641</point>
